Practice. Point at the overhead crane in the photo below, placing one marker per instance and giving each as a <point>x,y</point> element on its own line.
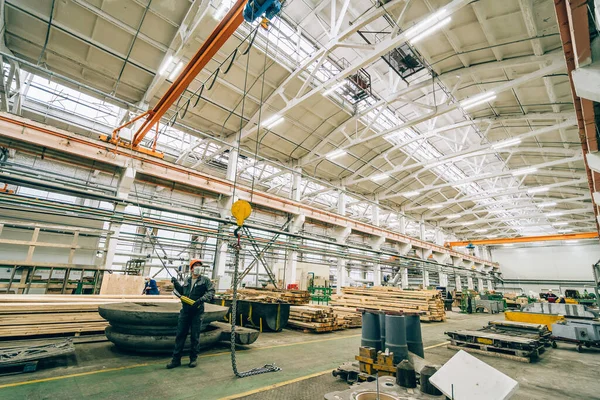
<point>527,239</point>
<point>248,10</point>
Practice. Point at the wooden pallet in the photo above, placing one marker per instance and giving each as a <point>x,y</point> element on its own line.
<point>510,354</point>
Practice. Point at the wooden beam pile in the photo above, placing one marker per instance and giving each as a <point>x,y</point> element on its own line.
<point>294,297</point>
<point>39,315</point>
<point>427,302</point>
<point>345,317</point>
<point>312,319</point>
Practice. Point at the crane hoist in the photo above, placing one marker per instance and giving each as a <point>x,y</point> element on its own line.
<point>248,10</point>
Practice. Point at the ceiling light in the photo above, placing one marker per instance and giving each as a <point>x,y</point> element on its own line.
<point>221,11</point>
<point>560,223</point>
<point>336,154</point>
<point>524,171</point>
<point>435,207</point>
<point>452,216</point>
<point>554,214</point>
<point>379,177</point>
<point>468,223</point>
<point>423,28</point>
<point>547,204</point>
<point>165,65</point>
<point>176,71</point>
<point>333,88</point>
<point>480,230</point>
<point>274,120</point>
<point>506,143</point>
<point>430,30</point>
<point>537,190</point>
<point>565,230</point>
<point>411,194</point>
<point>508,244</point>
<point>477,100</point>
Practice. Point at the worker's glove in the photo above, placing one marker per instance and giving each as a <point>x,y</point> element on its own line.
<point>198,303</point>
<point>173,279</point>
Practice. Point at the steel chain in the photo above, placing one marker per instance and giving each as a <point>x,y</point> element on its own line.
<point>236,247</point>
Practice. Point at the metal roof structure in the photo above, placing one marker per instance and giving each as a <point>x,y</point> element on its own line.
<point>469,131</point>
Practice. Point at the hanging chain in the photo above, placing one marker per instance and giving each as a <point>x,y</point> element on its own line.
<point>237,247</point>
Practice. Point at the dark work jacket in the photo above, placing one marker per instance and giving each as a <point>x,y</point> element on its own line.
<point>202,289</point>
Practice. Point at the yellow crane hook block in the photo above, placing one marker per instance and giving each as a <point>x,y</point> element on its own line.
<point>241,210</point>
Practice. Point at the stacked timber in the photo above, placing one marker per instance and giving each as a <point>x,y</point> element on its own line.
<point>312,319</point>
<point>428,303</point>
<point>295,297</point>
<point>345,317</point>
<point>41,315</point>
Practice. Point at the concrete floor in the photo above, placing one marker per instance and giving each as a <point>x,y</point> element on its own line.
<point>99,371</point>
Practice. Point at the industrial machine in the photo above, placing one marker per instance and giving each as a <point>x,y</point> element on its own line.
<point>577,331</point>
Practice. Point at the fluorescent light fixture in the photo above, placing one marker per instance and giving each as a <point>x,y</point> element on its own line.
<point>423,28</point>
<point>547,204</point>
<point>560,223</point>
<point>468,223</point>
<point>222,10</point>
<point>336,154</point>
<point>435,207</point>
<point>506,143</point>
<point>565,230</point>
<point>165,65</point>
<point>508,244</point>
<point>427,32</point>
<point>537,190</point>
<point>524,171</point>
<point>452,216</point>
<point>333,88</point>
<point>480,230</point>
<point>176,71</point>
<point>411,194</point>
<point>274,120</point>
<point>477,100</point>
<point>380,177</point>
<point>554,214</point>
<point>496,211</point>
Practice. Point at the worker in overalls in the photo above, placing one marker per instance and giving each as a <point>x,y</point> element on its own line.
<point>151,288</point>
<point>200,289</point>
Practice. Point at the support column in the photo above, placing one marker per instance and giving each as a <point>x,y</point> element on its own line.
<point>126,182</point>
<point>422,230</point>
<point>220,259</point>
<point>342,275</point>
<point>458,283</point>
<point>404,278</point>
<point>480,284</point>
<point>490,286</point>
<point>425,279</point>
<point>402,220</point>
<point>470,282</point>
<point>232,164</point>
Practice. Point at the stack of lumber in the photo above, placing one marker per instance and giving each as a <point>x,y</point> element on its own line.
<point>294,297</point>
<point>428,303</point>
<point>37,315</point>
<point>312,319</point>
<point>345,317</point>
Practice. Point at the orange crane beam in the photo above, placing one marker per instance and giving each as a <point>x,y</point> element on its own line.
<point>527,239</point>
<point>222,32</point>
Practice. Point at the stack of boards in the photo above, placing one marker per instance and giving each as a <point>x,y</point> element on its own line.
<point>346,317</point>
<point>428,303</point>
<point>294,297</point>
<point>313,319</point>
<point>40,315</point>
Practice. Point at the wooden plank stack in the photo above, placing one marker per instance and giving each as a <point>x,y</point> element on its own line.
<point>294,297</point>
<point>40,315</point>
<point>312,319</point>
<point>427,302</point>
<point>345,317</point>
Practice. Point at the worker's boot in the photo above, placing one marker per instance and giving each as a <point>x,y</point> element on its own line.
<point>193,362</point>
<point>176,362</point>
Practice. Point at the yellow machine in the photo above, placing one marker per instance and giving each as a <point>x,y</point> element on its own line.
<point>533,318</point>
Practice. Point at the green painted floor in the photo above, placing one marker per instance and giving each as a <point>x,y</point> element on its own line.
<point>100,371</point>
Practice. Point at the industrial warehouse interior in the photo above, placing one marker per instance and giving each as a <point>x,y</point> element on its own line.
<point>300,199</point>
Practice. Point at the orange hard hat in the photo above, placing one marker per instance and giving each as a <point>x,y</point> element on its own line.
<point>195,261</point>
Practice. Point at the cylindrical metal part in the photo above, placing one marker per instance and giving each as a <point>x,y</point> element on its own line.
<point>405,374</point>
<point>370,331</point>
<point>426,387</point>
<point>413,335</point>
<point>395,337</point>
<point>382,330</point>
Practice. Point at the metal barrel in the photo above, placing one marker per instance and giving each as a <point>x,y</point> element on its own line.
<point>395,337</point>
<point>370,331</point>
<point>382,330</point>
<point>426,386</point>
<point>405,375</point>
<point>413,335</point>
